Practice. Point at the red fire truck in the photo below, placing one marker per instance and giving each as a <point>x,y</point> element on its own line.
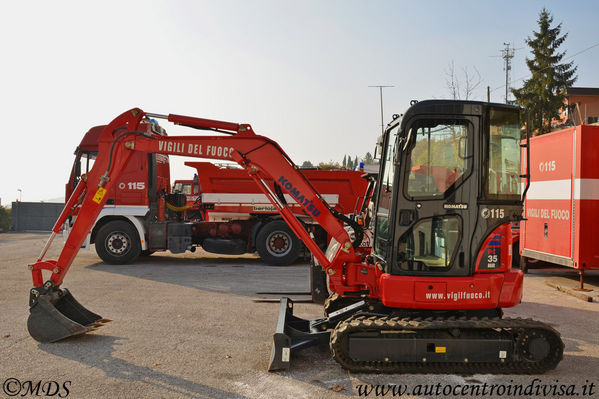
<point>562,203</point>
<point>226,211</point>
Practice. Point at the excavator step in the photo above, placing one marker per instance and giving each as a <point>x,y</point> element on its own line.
<point>55,314</point>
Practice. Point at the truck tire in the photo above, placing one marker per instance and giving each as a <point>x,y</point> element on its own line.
<point>277,245</point>
<point>117,243</point>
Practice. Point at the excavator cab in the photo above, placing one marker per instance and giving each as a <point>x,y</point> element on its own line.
<point>446,184</point>
<point>441,260</point>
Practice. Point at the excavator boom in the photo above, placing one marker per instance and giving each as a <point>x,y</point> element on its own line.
<point>260,156</point>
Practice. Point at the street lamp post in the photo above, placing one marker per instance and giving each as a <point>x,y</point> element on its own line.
<point>381,96</point>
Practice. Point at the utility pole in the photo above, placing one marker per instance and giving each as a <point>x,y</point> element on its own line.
<point>507,54</point>
<point>381,95</point>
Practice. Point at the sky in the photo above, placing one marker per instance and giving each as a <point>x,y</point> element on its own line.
<point>298,71</point>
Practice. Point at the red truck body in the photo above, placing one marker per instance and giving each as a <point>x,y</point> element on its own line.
<point>562,204</point>
<point>226,211</point>
<point>227,192</point>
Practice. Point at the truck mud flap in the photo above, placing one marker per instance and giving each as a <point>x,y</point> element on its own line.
<point>56,314</point>
<point>292,334</point>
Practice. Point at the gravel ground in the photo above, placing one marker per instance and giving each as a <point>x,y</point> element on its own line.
<point>186,326</point>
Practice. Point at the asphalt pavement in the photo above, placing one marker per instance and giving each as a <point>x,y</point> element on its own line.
<point>187,326</point>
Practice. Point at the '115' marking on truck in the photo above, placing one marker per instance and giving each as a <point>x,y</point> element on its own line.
<point>138,185</point>
<point>547,166</point>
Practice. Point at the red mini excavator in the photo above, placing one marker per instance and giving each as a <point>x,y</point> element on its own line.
<point>429,296</point>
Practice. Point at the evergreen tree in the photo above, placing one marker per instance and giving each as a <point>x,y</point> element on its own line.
<point>344,161</point>
<point>368,159</point>
<point>349,163</point>
<point>307,164</point>
<point>544,93</point>
<point>356,162</point>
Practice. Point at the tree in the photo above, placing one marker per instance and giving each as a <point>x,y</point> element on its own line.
<point>461,90</point>
<point>4,219</point>
<point>350,165</point>
<point>329,165</point>
<point>344,161</point>
<point>368,159</point>
<point>544,93</point>
<point>307,164</point>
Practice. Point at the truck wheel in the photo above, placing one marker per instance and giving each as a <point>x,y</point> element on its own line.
<point>277,245</point>
<point>117,243</point>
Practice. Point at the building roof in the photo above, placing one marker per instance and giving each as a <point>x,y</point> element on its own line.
<point>582,91</point>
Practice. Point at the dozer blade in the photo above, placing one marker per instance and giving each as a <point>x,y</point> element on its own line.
<point>294,333</point>
<point>52,319</point>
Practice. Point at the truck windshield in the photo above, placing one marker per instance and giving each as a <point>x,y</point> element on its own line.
<point>84,162</point>
<point>182,188</point>
<point>503,178</point>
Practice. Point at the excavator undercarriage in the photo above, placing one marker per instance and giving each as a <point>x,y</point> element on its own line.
<point>369,338</point>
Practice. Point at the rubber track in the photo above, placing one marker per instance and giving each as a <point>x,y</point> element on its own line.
<point>519,328</point>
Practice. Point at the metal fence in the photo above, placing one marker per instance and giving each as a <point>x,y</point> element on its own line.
<point>34,215</point>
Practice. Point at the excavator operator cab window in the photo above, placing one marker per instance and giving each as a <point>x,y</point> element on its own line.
<point>382,237</point>
<point>503,180</point>
<point>430,245</point>
<point>438,158</point>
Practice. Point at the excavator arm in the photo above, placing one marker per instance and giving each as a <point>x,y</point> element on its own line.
<point>260,156</point>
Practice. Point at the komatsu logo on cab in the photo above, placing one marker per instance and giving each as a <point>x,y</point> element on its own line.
<point>195,149</point>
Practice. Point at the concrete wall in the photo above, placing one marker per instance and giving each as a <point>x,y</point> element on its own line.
<point>34,215</point>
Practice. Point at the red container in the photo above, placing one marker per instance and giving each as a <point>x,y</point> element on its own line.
<point>562,203</point>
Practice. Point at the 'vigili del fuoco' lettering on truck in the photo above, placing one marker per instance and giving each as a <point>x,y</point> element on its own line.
<point>195,149</point>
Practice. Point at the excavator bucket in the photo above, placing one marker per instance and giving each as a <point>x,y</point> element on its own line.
<point>57,315</point>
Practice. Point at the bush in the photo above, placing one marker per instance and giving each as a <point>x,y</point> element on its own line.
<point>4,219</point>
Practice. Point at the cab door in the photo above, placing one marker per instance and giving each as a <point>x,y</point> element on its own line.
<point>435,205</point>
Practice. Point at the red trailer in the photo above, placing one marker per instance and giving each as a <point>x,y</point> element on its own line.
<point>562,203</point>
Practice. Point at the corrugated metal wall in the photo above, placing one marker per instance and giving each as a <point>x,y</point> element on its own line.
<point>34,215</point>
